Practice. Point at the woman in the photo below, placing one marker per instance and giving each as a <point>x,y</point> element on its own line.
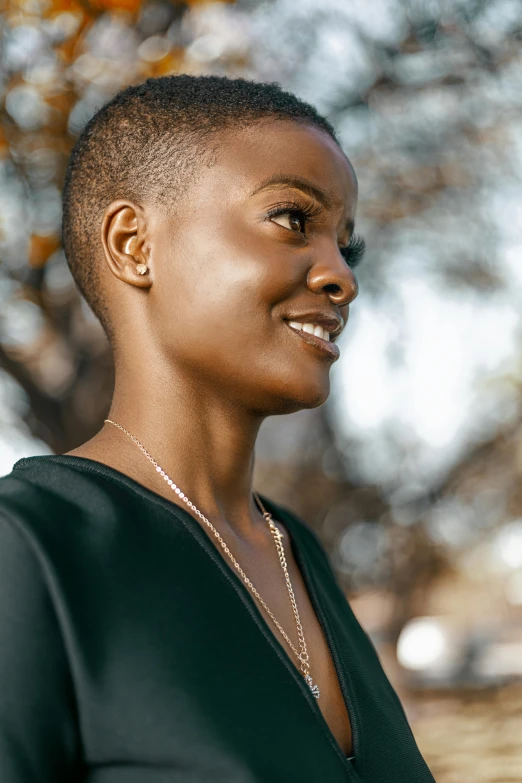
<point>159,621</point>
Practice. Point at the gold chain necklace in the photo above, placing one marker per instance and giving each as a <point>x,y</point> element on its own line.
<point>303,655</point>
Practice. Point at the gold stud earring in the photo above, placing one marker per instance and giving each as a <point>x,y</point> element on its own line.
<point>141,269</point>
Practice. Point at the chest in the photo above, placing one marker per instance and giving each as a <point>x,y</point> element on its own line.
<point>281,613</point>
<point>176,660</point>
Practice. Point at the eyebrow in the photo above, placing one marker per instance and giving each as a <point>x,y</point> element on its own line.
<point>281,181</point>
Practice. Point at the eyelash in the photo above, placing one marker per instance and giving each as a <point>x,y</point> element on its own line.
<point>354,251</point>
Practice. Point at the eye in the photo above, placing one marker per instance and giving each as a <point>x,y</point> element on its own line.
<point>300,214</point>
<point>354,251</point>
<point>295,218</point>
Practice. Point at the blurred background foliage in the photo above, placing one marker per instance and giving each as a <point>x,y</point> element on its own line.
<point>410,473</point>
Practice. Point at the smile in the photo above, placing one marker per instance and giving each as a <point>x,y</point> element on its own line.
<point>309,335</point>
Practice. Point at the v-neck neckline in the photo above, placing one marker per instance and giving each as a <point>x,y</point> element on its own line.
<point>308,577</point>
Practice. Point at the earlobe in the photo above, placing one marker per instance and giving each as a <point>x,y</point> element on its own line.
<point>123,233</point>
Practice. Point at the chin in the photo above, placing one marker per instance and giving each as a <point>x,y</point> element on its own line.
<point>293,395</point>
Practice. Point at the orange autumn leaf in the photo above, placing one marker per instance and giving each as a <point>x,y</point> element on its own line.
<point>169,64</point>
<point>116,5</point>
<point>58,6</point>
<point>4,145</point>
<point>41,248</point>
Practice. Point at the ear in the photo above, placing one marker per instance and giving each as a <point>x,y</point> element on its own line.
<point>123,235</point>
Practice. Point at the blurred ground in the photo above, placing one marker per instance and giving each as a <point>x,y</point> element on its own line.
<point>473,735</point>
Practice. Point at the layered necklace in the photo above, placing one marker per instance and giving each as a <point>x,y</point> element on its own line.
<point>277,535</point>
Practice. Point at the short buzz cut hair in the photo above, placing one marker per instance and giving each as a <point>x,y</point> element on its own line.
<point>149,142</point>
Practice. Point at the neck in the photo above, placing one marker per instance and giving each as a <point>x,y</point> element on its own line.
<point>205,443</point>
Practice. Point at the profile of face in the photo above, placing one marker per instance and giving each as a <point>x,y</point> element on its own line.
<point>236,264</point>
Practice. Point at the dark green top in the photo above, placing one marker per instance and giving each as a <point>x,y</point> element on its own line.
<point>130,652</point>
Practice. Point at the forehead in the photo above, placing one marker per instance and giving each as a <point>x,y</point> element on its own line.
<point>250,162</point>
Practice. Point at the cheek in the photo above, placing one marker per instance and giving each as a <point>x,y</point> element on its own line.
<point>226,283</point>
<point>218,303</point>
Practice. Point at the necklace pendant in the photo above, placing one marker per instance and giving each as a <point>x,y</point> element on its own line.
<point>313,688</point>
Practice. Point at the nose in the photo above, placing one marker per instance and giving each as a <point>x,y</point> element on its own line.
<point>332,274</point>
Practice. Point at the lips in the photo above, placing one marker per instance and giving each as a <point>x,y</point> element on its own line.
<point>326,349</point>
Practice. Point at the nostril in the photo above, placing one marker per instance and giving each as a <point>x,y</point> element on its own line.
<point>332,288</point>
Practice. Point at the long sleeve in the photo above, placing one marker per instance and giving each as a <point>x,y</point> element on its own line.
<point>38,735</point>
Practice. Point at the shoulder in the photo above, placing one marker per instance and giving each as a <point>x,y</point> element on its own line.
<point>61,512</point>
<point>38,488</point>
<point>20,498</point>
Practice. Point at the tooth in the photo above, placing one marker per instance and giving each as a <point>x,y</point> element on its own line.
<point>316,330</point>
<point>326,335</point>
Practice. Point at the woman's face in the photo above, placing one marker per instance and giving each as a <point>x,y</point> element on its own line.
<point>228,276</point>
